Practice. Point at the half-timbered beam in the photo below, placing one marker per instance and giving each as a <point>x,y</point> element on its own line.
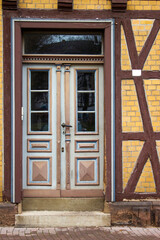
<point>9,4</point>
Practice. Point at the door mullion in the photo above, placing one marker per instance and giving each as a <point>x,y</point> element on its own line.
<point>58,73</point>
<point>67,121</point>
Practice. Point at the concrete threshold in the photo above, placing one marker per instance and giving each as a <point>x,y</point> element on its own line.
<point>62,219</point>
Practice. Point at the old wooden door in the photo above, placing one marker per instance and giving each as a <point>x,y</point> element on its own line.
<point>63,136</point>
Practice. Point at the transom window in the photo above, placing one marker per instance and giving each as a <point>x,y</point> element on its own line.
<point>81,43</point>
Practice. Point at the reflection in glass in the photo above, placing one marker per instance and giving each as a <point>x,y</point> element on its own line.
<point>39,80</point>
<point>86,101</point>
<point>85,80</point>
<point>39,122</point>
<point>39,101</point>
<point>86,122</point>
<point>74,43</point>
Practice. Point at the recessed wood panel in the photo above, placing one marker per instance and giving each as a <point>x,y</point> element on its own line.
<point>86,146</point>
<point>39,145</point>
<point>87,171</point>
<point>39,171</point>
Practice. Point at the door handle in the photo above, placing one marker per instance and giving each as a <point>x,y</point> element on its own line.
<point>65,125</point>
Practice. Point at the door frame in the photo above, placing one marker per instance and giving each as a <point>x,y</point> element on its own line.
<point>14,191</point>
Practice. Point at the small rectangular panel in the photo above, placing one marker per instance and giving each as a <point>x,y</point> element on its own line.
<point>86,146</point>
<point>38,145</point>
<point>87,171</point>
<point>39,171</point>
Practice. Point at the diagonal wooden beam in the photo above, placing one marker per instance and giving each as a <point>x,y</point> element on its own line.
<point>155,164</point>
<point>130,43</point>
<point>142,159</point>
<point>148,129</point>
<point>148,44</point>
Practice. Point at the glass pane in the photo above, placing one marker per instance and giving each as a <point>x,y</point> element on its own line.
<point>50,43</point>
<point>85,80</point>
<point>39,80</point>
<point>39,101</point>
<point>39,122</point>
<point>86,101</point>
<point>86,122</point>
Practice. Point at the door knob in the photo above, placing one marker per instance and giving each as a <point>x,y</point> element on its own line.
<point>65,125</point>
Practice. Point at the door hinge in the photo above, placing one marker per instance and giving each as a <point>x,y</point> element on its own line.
<point>22,113</point>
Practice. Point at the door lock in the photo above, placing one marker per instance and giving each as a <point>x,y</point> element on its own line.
<point>62,149</point>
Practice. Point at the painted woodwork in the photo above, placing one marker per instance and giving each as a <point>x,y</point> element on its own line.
<point>86,146</point>
<point>119,5</point>
<point>39,171</point>
<point>87,171</point>
<point>148,136</point>
<point>65,5</point>
<point>9,4</point>
<point>38,145</point>
<point>73,192</point>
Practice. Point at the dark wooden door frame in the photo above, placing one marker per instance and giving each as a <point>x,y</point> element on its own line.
<point>19,26</point>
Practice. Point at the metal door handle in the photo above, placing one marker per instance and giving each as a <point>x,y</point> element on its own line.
<point>65,125</point>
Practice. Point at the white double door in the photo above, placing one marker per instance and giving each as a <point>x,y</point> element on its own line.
<point>63,129</point>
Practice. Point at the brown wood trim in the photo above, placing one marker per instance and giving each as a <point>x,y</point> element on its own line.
<point>118,113</point>
<point>148,44</point>
<point>58,73</point>
<point>142,159</point>
<point>9,4</point>
<point>141,136</point>
<point>127,26</point>
<point>119,5</point>
<point>18,122</point>
<point>151,75</point>
<point>62,25</point>
<point>145,75</point>
<point>107,111</point>
<point>7,107</point>
<point>80,14</point>
<point>65,5</point>
<point>42,193</point>
<point>62,59</point>
<point>82,193</point>
<point>67,121</point>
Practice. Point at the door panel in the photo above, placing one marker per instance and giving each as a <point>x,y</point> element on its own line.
<point>62,129</point>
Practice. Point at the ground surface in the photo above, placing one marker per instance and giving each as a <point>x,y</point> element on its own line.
<point>105,233</point>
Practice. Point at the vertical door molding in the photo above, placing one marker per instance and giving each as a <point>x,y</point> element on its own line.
<point>67,121</point>
<point>58,73</point>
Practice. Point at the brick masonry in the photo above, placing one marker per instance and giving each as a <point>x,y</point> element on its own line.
<point>7,214</point>
<point>135,213</point>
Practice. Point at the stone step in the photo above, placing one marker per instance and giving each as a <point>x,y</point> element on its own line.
<point>62,219</point>
<point>63,204</point>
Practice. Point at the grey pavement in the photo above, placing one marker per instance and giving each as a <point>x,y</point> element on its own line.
<point>99,233</point>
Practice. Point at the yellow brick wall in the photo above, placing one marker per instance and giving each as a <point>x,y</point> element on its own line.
<point>143,5</point>
<point>90,4</point>
<point>1,104</point>
<point>131,117</point>
<point>130,152</point>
